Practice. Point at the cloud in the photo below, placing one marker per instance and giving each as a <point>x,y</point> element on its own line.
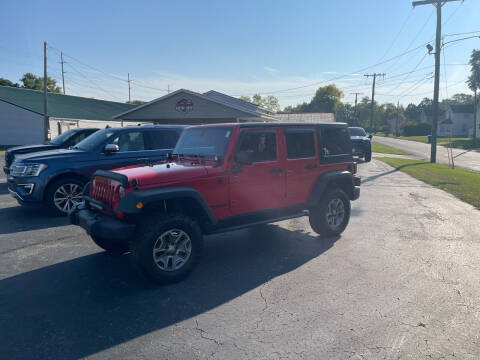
<point>270,70</point>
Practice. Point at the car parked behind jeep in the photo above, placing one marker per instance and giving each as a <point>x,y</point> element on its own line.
<point>362,144</point>
<point>221,178</point>
<point>63,141</point>
<point>56,178</point>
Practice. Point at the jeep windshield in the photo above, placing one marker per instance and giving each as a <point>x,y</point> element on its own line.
<point>356,131</point>
<point>204,142</point>
<point>95,140</point>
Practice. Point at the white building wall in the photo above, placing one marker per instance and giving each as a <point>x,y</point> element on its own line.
<point>63,125</point>
<point>19,126</point>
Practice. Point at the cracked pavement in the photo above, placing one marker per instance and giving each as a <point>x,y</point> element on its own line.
<point>402,282</point>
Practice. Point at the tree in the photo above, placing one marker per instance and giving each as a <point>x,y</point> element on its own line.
<point>31,81</point>
<point>412,112</point>
<point>326,99</point>
<point>6,82</point>
<point>473,81</point>
<point>136,102</point>
<point>267,102</point>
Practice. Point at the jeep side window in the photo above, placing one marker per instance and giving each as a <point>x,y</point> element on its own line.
<point>336,141</point>
<point>129,141</point>
<point>262,145</point>
<point>300,143</point>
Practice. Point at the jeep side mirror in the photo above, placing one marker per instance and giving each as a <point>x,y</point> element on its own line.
<point>244,157</point>
<point>370,136</point>
<point>111,148</point>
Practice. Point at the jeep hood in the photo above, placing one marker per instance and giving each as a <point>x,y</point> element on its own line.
<point>45,156</point>
<point>163,173</point>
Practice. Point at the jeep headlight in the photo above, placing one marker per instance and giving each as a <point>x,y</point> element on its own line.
<point>27,169</point>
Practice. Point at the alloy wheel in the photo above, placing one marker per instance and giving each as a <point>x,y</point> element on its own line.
<point>172,249</point>
<point>335,213</point>
<point>67,196</point>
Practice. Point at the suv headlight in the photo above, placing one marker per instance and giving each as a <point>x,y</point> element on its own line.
<point>27,169</point>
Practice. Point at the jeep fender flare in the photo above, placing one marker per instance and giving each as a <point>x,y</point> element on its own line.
<point>128,204</point>
<point>344,179</point>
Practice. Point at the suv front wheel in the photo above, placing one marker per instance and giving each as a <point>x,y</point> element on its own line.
<point>63,194</point>
<point>330,217</point>
<point>168,248</point>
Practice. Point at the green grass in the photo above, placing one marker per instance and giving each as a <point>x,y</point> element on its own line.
<point>379,148</point>
<point>457,142</point>
<point>461,183</point>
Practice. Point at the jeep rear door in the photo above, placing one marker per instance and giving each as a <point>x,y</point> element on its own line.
<point>302,165</point>
<point>261,184</point>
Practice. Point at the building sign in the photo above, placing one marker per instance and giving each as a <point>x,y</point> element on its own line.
<point>184,105</point>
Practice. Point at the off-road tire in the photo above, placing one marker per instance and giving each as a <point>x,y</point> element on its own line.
<point>318,214</point>
<point>53,187</point>
<point>368,156</point>
<point>150,230</point>
<point>111,246</point>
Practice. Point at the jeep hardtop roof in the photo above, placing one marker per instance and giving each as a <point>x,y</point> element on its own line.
<point>273,124</point>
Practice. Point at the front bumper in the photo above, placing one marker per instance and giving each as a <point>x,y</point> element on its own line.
<point>27,190</point>
<point>100,225</point>
<point>356,187</point>
<point>361,148</point>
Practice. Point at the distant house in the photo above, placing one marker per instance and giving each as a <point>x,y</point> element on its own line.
<point>457,121</point>
<point>22,116</point>
<point>305,117</point>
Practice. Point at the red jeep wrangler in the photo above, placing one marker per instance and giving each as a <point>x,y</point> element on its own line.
<point>221,178</point>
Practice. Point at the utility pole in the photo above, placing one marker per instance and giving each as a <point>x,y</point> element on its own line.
<point>397,118</point>
<point>46,124</point>
<point>129,88</point>
<point>374,75</point>
<point>436,89</point>
<point>63,72</point>
<point>356,102</point>
<point>475,109</point>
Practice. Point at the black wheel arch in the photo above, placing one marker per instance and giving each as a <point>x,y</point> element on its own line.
<point>182,199</point>
<point>63,175</point>
<point>341,179</point>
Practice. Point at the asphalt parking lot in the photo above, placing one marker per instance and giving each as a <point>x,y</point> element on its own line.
<point>402,282</point>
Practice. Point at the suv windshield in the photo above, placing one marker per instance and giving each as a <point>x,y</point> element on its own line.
<point>60,139</point>
<point>356,131</point>
<point>94,140</point>
<point>208,142</point>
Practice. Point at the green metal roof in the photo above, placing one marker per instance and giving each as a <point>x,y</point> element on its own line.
<point>63,106</point>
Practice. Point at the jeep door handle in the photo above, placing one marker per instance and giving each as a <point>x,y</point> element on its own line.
<point>311,166</point>
<point>275,170</point>
<point>236,170</point>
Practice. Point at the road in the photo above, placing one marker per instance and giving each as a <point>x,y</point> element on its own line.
<point>467,159</point>
<point>400,283</point>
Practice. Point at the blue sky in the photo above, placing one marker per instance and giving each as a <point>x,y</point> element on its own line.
<point>236,47</point>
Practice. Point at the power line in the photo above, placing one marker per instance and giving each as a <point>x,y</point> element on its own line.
<point>98,86</point>
<point>398,34</point>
